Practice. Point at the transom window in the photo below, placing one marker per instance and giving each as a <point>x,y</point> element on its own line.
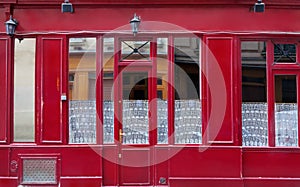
<point>284,53</point>
<point>135,50</point>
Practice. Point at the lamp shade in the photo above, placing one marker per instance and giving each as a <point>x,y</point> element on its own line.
<point>11,25</point>
<point>135,23</point>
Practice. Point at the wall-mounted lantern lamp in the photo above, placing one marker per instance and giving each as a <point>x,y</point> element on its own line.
<point>67,7</point>
<point>135,23</point>
<point>11,25</point>
<point>259,6</point>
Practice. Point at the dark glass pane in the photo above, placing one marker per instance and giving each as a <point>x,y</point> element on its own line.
<point>188,118</point>
<point>284,53</point>
<point>254,94</point>
<point>286,110</point>
<point>135,108</point>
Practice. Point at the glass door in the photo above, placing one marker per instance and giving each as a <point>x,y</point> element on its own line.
<point>134,119</point>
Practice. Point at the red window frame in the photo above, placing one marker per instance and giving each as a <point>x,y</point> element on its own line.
<point>272,69</point>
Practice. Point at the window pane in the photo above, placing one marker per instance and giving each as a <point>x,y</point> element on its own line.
<point>286,110</point>
<point>135,120</point>
<point>82,101</point>
<point>24,90</point>
<point>108,80</point>
<point>162,90</point>
<point>188,121</point>
<point>285,53</point>
<point>254,94</point>
<point>135,50</point>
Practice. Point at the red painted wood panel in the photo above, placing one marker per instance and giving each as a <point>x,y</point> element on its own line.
<point>135,166</point>
<point>110,167</point>
<point>8,182</point>
<point>4,162</point>
<point>206,182</point>
<point>79,182</point>
<point>274,162</point>
<point>218,74</point>
<point>212,18</point>
<point>161,164</point>
<point>269,182</point>
<point>81,161</point>
<point>206,162</point>
<point>51,124</point>
<point>4,89</point>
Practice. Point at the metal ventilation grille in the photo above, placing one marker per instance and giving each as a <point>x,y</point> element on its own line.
<point>39,171</point>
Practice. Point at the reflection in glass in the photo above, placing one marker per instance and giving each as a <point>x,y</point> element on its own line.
<point>162,90</point>
<point>254,94</point>
<point>188,117</point>
<point>108,78</point>
<point>82,81</point>
<point>285,53</point>
<point>24,90</point>
<point>135,50</point>
<point>135,108</point>
<point>286,111</point>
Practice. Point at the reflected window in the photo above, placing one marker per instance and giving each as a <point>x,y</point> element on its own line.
<point>24,90</point>
<point>286,111</point>
<point>82,98</point>
<point>254,94</point>
<point>162,90</point>
<point>188,117</point>
<point>108,81</point>
<point>135,119</point>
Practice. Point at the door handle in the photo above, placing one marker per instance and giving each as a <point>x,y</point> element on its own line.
<point>121,134</point>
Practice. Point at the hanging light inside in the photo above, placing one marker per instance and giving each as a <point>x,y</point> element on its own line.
<point>11,25</point>
<point>135,23</point>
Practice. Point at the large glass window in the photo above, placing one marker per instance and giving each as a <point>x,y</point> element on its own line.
<point>254,94</point>
<point>24,90</point>
<point>187,117</point>
<point>82,100</point>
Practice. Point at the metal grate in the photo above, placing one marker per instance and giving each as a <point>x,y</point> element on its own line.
<point>39,171</point>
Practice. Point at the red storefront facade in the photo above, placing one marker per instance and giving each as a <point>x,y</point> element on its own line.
<point>205,94</point>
